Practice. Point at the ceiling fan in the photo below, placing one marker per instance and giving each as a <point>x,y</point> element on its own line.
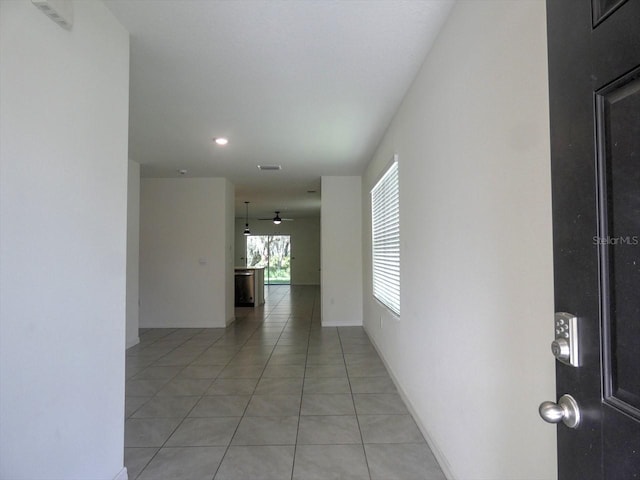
<point>277,219</point>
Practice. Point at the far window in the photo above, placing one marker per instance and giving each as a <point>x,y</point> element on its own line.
<point>385,210</point>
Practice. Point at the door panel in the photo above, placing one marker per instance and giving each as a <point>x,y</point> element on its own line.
<point>618,146</point>
<point>594,92</point>
<point>618,151</point>
<point>603,8</point>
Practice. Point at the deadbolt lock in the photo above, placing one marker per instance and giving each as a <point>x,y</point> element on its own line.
<point>560,349</point>
<point>565,344</point>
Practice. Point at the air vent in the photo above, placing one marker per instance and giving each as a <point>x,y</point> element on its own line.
<point>270,167</point>
<point>60,11</point>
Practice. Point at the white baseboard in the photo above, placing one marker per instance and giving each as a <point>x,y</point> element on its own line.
<point>337,324</point>
<point>440,458</point>
<point>122,475</point>
<point>133,342</point>
<point>186,325</point>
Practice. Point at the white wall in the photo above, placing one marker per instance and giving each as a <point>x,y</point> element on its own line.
<point>133,248</point>
<point>229,251</point>
<point>471,349</point>
<point>341,251</point>
<point>305,245</point>
<point>186,252</point>
<point>63,213</point>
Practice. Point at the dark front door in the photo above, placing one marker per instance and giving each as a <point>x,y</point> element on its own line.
<point>594,83</point>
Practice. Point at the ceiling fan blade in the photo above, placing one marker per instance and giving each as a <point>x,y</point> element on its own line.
<point>278,218</point>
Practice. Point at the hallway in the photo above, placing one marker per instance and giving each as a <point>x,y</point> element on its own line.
<point>273,396</point>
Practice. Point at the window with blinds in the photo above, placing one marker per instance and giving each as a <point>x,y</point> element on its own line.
<point>385,211</point>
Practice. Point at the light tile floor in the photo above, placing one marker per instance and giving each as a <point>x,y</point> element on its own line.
<point>274,396</point>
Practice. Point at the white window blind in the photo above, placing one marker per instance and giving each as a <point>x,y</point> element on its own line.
<point>385,210</point>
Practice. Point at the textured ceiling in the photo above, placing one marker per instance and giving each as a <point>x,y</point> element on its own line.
<point>310,85</point>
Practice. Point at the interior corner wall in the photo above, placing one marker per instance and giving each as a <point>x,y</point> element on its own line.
<point>64,109</point>
<point>470,352</point>
<point>305,245</point>
<point>341,233</point>
<point>186,252</point>
<point>229,252</point>
<point>133,248</point>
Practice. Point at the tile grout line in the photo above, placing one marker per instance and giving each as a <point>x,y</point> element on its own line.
<point>304,376</point>
<point>364,451</point>
<point>248,403</point>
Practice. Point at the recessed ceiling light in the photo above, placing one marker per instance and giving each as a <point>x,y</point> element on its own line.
<point>221,141</point>
<point>270,167</point>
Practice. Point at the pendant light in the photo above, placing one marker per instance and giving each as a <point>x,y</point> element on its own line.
<point>246,225</point>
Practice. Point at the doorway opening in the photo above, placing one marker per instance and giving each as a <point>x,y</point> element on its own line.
<point>273,252</point>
